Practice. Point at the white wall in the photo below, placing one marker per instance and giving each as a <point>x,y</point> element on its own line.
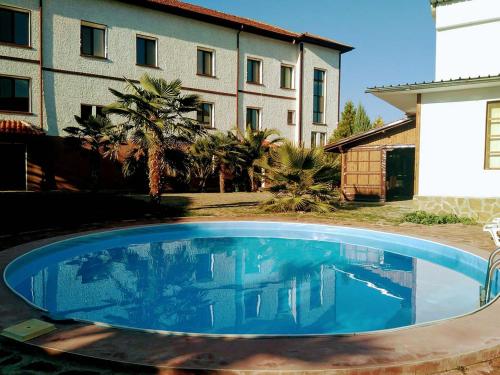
<point>466,39</point>
<point>25,69</point>
<point>452,145</point>
<point>328,60</point>
<point>272,54</point>
<point>178,39</point>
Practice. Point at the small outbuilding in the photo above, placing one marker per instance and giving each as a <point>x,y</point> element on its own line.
<point>379,164</point>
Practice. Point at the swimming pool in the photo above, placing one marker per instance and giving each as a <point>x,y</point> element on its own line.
<point>250,278</point>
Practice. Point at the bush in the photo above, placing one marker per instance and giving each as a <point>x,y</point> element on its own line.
<point>427,218</point>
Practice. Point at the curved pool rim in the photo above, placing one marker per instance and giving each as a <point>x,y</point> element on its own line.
<point>98,232</point>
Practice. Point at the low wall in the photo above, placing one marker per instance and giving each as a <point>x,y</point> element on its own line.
<point>481,209</point>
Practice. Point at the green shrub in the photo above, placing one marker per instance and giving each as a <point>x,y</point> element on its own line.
<point>427,218</point>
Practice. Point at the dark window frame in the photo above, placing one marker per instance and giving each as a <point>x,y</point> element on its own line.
<point>13,42</point>
<point>201,71</point>
<point>146,39</point>
<point>292,112</point>
<point>292,73</point>
<point>258,118</point>
<point>98,108</point>
<point>210,124</point>
<point>318,139</point>
<point>13,97</point>
<point>253,60</point>
<point>94,26</point>
<point>319,99</point>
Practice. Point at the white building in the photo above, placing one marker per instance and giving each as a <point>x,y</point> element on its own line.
<point>59,57</point>
<point>457,163</point>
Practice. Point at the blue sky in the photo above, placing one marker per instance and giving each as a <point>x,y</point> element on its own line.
<point>394,39</point>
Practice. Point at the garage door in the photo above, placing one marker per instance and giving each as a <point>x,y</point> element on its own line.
<point>362,174</point>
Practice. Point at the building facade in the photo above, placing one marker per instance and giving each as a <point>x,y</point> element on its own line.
<point>457,163</point>
<point>58,59</point>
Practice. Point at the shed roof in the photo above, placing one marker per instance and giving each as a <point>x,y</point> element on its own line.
<point>239,23</point>
<point>337,146</point>
<point>19,127</point>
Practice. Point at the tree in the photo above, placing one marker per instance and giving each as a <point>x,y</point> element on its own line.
<point>256,145</point>
<point>155,122</point>
<point>378,122</point>
<point>346,123</point>
<point>362,122</point>
<point>225,153</point>
<point>96,134</point>
<point>202,160</point>
<point>301,180</point>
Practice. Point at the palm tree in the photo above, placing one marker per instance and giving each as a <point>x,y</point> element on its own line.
<point>202,160</point>
<point>223,150</point>
<point>155,122</point>
<point>301,180</point>
<point>98,136</point>
<point>256,145</point>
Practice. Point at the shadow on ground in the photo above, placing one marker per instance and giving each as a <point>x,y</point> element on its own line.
<point>59,211</point>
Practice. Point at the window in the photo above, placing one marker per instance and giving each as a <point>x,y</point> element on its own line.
<point>493,136</point>
<point>318,139</point>
<point>283,300</point>
<point>204,267</point>
<point>14,94</point>
<point>252,304</point>
<point>286,77</point>
<point>87,110</point>
<point>205,63</point>
<point>254,71</point>
<point>146,51</point>
<point>316,290</point>
<point>252,263</point>
<point>204,115</point>
<point>291,118</point>
<point>14,27</point>
<point>253,118</point>
<point>93,40</point>
<point>319,96</point>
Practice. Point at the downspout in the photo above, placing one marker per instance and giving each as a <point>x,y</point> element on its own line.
<point>41,61</point>
<point>338,100</point>
<point>238,77</point>
<point>301,91</point>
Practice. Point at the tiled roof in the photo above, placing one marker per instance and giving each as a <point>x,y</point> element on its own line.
<point>240,23</point>
<point>333,147</point>
<point>430,84</point>
<point>19,127</point>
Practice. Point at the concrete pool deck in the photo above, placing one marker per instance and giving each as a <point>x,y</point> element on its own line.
<point>444,346</point>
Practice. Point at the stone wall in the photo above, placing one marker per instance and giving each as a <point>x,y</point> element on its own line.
<point>481,209</point>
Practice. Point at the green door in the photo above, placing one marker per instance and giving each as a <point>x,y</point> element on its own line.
<point>400,173</point>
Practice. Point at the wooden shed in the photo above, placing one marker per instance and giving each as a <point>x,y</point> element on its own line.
<point>378,165</point>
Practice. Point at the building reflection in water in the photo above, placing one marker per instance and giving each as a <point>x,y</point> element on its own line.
<point>233,285</point>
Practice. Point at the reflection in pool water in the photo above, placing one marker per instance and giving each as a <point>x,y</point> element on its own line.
<point>246,285</point>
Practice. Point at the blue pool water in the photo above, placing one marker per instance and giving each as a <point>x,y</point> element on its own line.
<point>250,278</point>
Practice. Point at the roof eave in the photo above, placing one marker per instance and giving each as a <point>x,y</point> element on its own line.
<point>358,137</point>
<point>437,85</point>
<point>283,35</point>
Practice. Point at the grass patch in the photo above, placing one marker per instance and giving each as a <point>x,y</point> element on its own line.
<point>427,218</point>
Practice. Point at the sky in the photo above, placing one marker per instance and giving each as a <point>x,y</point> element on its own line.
<point>394,40</point>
